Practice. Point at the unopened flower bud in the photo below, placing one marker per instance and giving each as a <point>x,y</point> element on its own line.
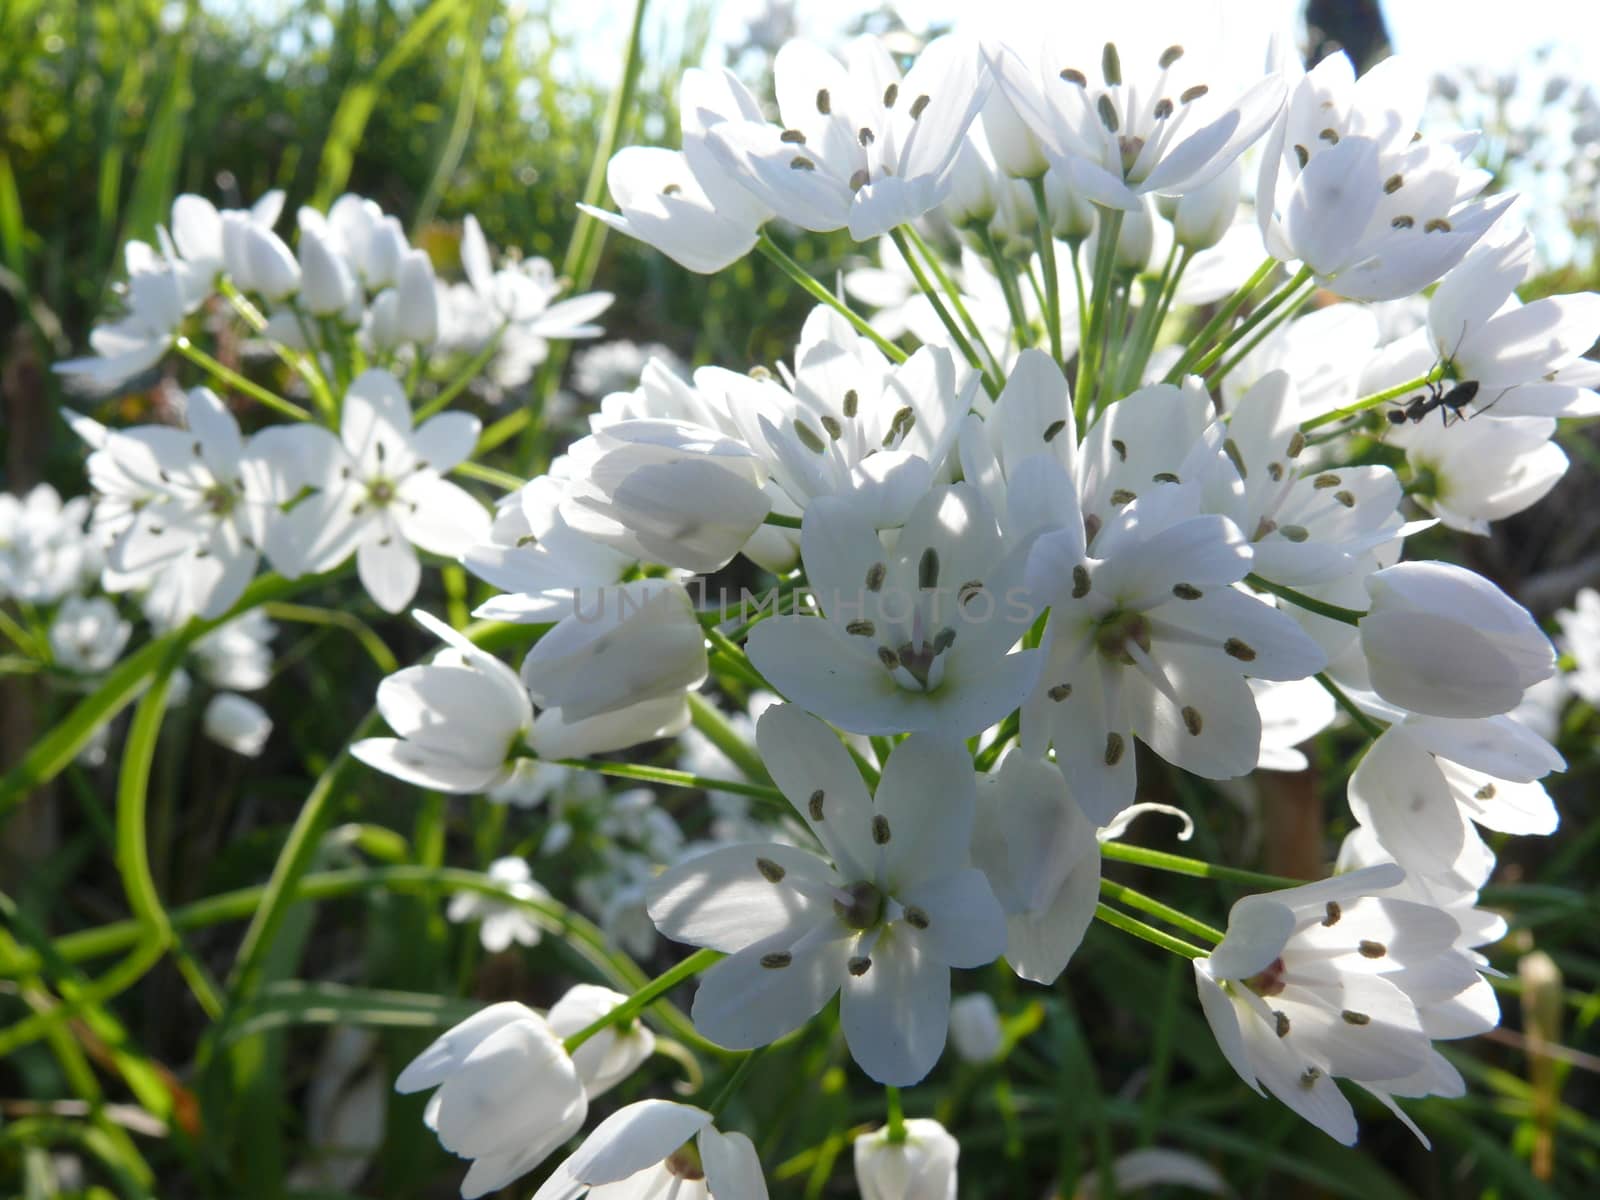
<point>1016,150</point>
<point>417,311</point>
<point>237,724</point>
<point>975,1027</point>
<point>1200,217</point>
<point>326,284</point>
<point>257,259</point>
<point>922,1167</point>
<point>1071,214</point>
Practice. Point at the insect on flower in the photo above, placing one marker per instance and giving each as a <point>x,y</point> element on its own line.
<point>1450,402</point>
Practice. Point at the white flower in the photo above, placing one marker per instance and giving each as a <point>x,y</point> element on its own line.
<point>975,1027</point>
<point>237,723</point>
<point>257,259</point>
<point>1126,106</point>
<point>381,490</point>
<point>885,915</point>
<point>1345,189</point>
<point>859,147</point>
<point>1486,469</point>
<point>45,553</point>
<point>503,924</point>
<point>1442,640</point>
<point>1326,980</point>
<point>1580,628</point>
<point>1292,712</point>
<point>197,231</point>
<point>328,288</point>
<point>460,718</point>
<point>1042,859</point>
<point>655,1148</point>
<point>236,655</point>
<point>509,1093</point>
<point>666,491</point>
<point>626,648</point>
<point>611,1055</point>
<point>522,296</point>
<point>139,340</point>
<point>914,637</point>
<point>685,203</point>
<point>1148,635</point>
<point>188,508</point>
<point>88,635</point>
<point>922,1167</point>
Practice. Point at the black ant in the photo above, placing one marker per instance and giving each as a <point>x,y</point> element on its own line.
<point>1450,402</point>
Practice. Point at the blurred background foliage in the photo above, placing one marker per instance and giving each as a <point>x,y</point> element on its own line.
<point>436,109</point>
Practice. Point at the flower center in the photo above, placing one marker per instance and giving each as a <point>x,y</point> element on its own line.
<point>1269,982</point>
<point>380,491</point>
<point>684,1162</point>
<point>220,499</point>
<point>1119,630</point>
<point>865,908</point>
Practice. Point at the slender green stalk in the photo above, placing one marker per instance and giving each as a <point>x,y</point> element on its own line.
<point>708,719</point>
<point>659,986</point>
<point>1217,374</point>
<point>1269,306</point>
<point>1112,334</point>
<point>1368,726</point>
<point>1105,258</point>
<point>897,1116</point>
<point>1076,247</point>
<point>733,658</point>
<point>1121,920</point>
<point>1225,314</point>
<point>89,996</point>
<point>810,285</point>
<point>1334,612</point>
<point>301,364</point>
<point>1149,904</point>
<point>1052,275</point>
<point>1177,864</point>
<point>468,373</point>
<point>21,638</point>
<point>307,614</point>
<point>963,344</point>
<point>669,775</point>
<point>504,480</point>
<point>231,378</point>
<point>735,1081</point>
<point>1372,401</point>
<point>782,522</point>
<point>950,289</point>
<point>1008,285</point>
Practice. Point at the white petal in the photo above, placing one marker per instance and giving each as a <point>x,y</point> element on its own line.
<point>896,1014</point>
<point>727,898</point>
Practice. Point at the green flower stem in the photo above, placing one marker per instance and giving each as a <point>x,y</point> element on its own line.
<point>1177,864</point>
<point>729,655</point>
<point>1121,920</point>
<point>1105,258</point>
<point>810,285</point>
<point>735,1081</point>
<point>897,1116</point>
<point>1217,374</point>
<point>673,777</point>
<point>1372,401</point>
<point>708,719</point>
<point>306,614</point>
<point>950,290</point>
<point>1076,248</point>
<point>1149,904</point>
<point>634,1004</point>
<point>1225,314</point>
<point>1368,726</point>
<point>1269,306</point>
<point>228,376</point>
<point>301,364</point>
<point>963,344</point>
<point>20,637</point>
<point>468,373</point>
<point>1334,612</point>
<point>1008,285</point>
<point>781,521</point>
<point>500,479</point>
<point>1052,277</point>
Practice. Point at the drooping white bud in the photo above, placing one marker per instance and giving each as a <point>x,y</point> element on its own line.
<point>326,284</point>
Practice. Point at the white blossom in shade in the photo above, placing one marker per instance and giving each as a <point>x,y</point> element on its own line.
<point>885,915</point>
<point>1305,524</point>
<point>154,300</point>
<point>1485,469</point>
<point>501,924</point>
<point>1148,636</point>
<point>236,655</point>
<point>914,637</point>
<point>1126,106</point>
<point>1580,630</point>
<point>1444,641</point>
<point>541,563</point>
<point>381,491</point>
<point>556,735</point>
<point>459,718</point>
<point>1201,218</point>
<point>522,296</point>
<point>185,506</point>
<point>1518,354</point>
<point>1042,860</point>
<point>625,646</point>
<point>88,635</point>
<point>346,1103</point>
<point>508,1093</point>
<point>655,1148</point>
<point>685,203</point>
<point>1153,1166</point>
<point>860,147</point>
<point>1426,782</point>
<point>197,233</point>
<point>922,1167</point>
<point>975,1027</point>
<point>1292,712</point>
<point>45,552</point>
<point>666,491</point>
<point>237,723</point>
<point>1327,980</point>
<point>1346,189</point>
<point>611,1055</point>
